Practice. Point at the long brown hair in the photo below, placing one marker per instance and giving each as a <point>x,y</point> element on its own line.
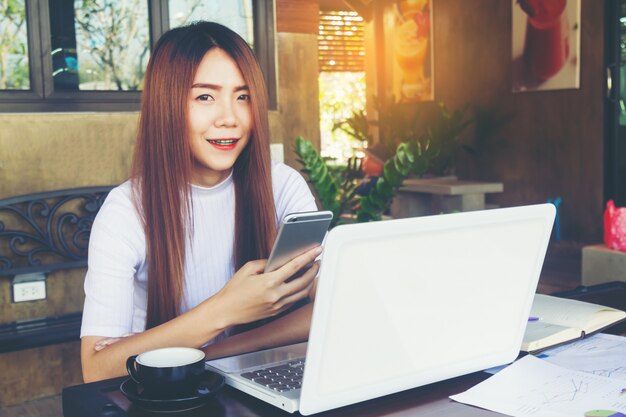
<point>162,163</point>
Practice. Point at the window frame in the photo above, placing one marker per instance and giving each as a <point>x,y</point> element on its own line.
<point>41,96</point>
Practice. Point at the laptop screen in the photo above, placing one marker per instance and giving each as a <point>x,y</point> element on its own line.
<point>403,303</point>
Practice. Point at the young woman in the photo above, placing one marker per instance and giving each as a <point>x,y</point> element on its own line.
<point>177,253</point>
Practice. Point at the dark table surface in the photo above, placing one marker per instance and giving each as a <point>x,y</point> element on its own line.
<point>104,399</point>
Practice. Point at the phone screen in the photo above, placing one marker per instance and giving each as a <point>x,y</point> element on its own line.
<point>298,233</point>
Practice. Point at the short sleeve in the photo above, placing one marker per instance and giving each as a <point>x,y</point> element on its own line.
<point>116,252</point>
<point>291,192</point>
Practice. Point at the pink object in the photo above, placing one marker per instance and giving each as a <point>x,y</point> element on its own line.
<point>546,47</point>
<point>615,227</point>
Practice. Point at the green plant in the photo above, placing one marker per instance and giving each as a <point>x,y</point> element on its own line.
<point>410,158</point>
<point>356,126</point>
<point>397,124</point>
<point>337,189</point>
<point>444,134</point>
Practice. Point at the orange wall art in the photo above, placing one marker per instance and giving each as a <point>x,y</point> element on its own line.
<point>408,46</point>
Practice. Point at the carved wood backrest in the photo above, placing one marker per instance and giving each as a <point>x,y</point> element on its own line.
<point>47,231</point>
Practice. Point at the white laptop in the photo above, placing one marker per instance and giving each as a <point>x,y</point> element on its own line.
<point>404,303</point>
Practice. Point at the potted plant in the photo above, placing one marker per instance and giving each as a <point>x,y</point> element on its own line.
<point>395,125</point>
<point>338,190</point>
<point>405,150</point>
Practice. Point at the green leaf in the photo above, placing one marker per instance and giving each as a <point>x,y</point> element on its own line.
<point>402,169</point>
<point>367,205</point>
<point>363,217</point>
<point>383,188</point>
<point>377,200</point>
<point>403,153</point>
<point>319,171</point>
<point>391,175</point>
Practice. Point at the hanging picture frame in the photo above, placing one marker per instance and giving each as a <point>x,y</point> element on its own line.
<point>408,43</point>
<point>545,45</point>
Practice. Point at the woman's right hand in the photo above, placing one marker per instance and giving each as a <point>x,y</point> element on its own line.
<point>252,295</point>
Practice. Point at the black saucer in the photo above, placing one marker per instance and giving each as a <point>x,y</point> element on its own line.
<point>203,392</point>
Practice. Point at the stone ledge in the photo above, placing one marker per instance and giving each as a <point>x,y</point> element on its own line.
<point>601,264</point>
<point>450,186</point>
<point>423,197</point>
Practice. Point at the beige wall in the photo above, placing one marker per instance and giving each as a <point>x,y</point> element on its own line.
<point>51,151</point>
<point>44,152</point>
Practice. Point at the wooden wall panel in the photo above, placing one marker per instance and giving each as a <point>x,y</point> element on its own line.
<point>541,144</point>
<point>298,98</point>
<point>297,16</point>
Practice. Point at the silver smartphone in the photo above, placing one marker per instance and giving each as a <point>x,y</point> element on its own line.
<point>298,233</point>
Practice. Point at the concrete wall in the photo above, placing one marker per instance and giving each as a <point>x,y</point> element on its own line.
<point>44,152</point>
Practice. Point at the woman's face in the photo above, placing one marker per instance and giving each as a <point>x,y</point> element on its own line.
<point>220,117</point>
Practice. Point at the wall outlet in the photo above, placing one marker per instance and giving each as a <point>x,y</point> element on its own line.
<point>29,287</point>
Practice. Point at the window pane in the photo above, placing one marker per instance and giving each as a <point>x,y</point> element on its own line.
<point>14,73</point>
<point>237,15</point>
<point>341,94</point>
<point>99,44</point>
<point>341,42</point>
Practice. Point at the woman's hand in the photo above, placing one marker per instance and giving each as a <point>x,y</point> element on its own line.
<point>253,295</point>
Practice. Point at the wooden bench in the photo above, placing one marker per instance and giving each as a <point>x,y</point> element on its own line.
<point>40,233</point>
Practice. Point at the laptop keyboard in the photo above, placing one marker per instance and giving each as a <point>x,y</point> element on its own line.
<point>281,378</point>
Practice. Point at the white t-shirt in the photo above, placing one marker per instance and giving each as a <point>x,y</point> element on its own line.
<point>116,281</point>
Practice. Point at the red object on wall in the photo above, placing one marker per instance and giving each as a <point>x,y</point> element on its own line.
<point>615,227</point>
<point>546,47</point>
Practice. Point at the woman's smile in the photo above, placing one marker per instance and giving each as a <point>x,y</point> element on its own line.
<point>223,144</point>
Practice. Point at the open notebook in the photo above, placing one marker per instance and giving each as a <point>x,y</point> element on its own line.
<point>404,303</point>
<point>555,320</point>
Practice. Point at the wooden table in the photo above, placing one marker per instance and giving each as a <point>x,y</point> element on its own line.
<point>103,399</point>
<point>420,197</point>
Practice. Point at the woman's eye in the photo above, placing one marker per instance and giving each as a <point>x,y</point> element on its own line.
<point>204,97</point>
<point>244,97</point>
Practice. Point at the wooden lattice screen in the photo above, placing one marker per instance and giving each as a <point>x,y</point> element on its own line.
<point>341,41</point>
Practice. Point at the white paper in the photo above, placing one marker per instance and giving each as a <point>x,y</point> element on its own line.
<point>533,387</point>
<point>600,354</point>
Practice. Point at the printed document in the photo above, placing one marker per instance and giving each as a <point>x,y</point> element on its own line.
<point>534,387</point>
<point>601,354</point>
